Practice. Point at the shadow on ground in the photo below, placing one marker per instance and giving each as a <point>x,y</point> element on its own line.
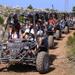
<point>55,46</point>
<point>26,68</point>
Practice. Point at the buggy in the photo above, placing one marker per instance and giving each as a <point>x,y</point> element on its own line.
<point>64,26</point>
<point>27,52</point>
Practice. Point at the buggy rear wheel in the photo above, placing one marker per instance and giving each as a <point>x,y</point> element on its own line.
<point>74,26</point>
<point>58,34</point>
<point>50,41</point>
<point>66,30</point>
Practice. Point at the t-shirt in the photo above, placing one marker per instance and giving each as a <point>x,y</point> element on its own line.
<point>55,21</point>
<point>51,22</point>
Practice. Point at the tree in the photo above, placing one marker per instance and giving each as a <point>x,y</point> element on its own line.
<point>17,11</point>
<point>1,20</point>
<point>1,6</point>
<point>47,9</point>
<point>73,9</point>
<point>30,7</point>
<point>6,14</point>
<point>21,19</point>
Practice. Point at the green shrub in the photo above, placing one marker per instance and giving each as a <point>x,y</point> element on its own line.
<point>71,41</point>
<point>1,20</point>
<point>21,19</point>
<point>74,34</point>
<point>71,46</point>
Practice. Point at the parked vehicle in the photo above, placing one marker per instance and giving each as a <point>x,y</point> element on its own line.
<point>64,26</point>
<point>71,23</point>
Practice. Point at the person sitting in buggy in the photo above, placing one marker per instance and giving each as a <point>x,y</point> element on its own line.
<point>13,23</point>
<point>28,34</point>
<point>12,33</point>
<point>16,24</point>
<point>40,28</point>
<point>10,29</point>
<point>51,20</point>
<point>62,22</point>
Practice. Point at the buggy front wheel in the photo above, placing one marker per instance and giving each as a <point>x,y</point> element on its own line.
<point>42,62</point>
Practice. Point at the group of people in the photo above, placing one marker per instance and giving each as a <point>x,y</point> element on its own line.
<point>15,30</point>
<point>18,32</point>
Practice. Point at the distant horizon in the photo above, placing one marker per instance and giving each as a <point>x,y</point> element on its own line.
<point>42,4</point>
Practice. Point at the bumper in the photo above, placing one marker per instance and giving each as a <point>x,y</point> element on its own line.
<point>14,61</point>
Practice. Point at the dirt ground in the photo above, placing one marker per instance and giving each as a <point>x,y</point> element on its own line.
<point>58,56</point>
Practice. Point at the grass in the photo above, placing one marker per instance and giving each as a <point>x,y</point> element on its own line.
<point>71,53</point>
<point>71,47</point>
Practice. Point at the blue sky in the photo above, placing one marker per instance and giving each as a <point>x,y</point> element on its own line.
<point>58,4</point>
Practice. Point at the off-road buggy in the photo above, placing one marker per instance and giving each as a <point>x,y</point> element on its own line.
<point>64,27</point>
<point>71,23</point>
<point>35,16</point>
<point>27,52</point>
